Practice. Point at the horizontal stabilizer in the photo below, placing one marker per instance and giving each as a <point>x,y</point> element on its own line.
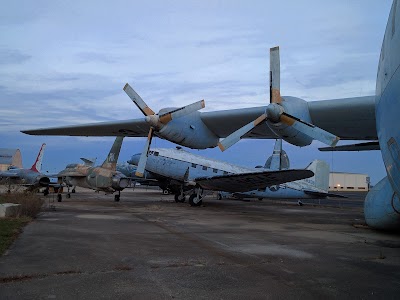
<point>244,182</point>
<point>354,147</point>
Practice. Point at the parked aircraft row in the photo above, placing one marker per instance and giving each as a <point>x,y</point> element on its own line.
<point>371,118</point>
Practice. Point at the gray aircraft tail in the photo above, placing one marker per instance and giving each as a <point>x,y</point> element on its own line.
<point>112,158</point>
<point>321,174</point>
<point>279,159</point>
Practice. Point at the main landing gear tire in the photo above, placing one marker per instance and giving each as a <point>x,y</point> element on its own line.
<point>192,200</point>
<point>165,192</point>
<point>219,196</point>
<point>68,195</point>
<point>59,197</point>
<point>116,198</point>
<point>179,198</point>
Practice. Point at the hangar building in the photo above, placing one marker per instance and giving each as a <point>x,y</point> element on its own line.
<point>347,182</point>
<point>10,157</point>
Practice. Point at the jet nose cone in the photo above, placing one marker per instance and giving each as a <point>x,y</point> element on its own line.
<point>134,159</point>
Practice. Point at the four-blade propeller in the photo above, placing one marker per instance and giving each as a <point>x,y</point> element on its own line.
<point>275,113</point>
<point>157,121</point>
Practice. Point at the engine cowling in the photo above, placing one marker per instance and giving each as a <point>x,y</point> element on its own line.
<point>296,107</point>
<point>382,207</point>
<point>189,131</point>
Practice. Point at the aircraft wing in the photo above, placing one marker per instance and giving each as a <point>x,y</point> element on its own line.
<point>9,175</point>
<point>322,194</point>
<point>244,182</point>
<point>349,118</point>
<point>71,174</point>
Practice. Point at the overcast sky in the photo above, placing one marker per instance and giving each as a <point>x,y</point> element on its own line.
<point>66,62</point>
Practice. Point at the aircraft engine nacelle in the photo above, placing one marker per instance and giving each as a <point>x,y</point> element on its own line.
<point>189,131</point>
<point>119,182</point>
<point>296,107</point>
<point>382,207</point>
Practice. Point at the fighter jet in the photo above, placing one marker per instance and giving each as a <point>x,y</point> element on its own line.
<point>31,178</point>
<point>104,178</point>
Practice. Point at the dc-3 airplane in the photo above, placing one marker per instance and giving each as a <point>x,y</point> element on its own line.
<point>31,178</point>
<point>104,178</point>
<point>313,187</point>
<point>372,118</point>
<point>185,173</point>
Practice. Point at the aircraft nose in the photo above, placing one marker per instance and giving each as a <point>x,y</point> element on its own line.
<point>134,159</point>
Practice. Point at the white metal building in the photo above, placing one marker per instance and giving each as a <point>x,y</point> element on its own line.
<point>339,181</point>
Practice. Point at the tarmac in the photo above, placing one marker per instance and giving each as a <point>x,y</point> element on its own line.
<point>148,247</point>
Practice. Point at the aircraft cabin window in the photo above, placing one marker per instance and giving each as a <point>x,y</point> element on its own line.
<point>194,165</point>
<point>156,153</point>
<point>225,172</point>
<point>204,168</point>
<point>215,170</point>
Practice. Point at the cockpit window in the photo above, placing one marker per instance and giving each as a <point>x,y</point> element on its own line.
<point>156,153</point>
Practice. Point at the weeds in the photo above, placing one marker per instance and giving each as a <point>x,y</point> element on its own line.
<point>30,204</point>
<point>10,228</point>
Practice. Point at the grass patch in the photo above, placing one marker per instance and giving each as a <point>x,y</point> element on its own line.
<point>10,228</point>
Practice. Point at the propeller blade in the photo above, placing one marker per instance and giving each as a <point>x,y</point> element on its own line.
<point>311,130</point>
<point>235,137</point>
<point>143,157</point>
<point>138,100</point>
<point>182,111</point>
<point>274,76</point>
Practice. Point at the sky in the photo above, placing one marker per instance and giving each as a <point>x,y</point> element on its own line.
<point>66,62</point>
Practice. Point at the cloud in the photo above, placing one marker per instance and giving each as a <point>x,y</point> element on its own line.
<point>12,56</point>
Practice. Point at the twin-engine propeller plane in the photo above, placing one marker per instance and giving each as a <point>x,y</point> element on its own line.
<point>31,178</point>
<point>183,173</point>
<point>104,178</point>
<point>371,118</point>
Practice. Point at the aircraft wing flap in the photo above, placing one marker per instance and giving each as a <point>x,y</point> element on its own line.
<point>244,182</point>
<point>132,128</point>
<point>368,146</point>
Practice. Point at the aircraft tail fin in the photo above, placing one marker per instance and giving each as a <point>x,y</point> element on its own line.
<point>112,158</point>
<point>321,174</point>
<point>37,165</point>
<point>279,160</point>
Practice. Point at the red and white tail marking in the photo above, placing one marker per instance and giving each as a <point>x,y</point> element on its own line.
<point>37,166</point>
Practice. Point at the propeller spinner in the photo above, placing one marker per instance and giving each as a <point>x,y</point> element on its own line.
<point>275,113</point>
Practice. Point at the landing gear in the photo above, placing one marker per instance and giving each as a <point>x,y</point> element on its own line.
<point>68,195</point>
<point>165,192</point>
<point>59,197</point>
<point>117,197</point>
<point>73,191</point>
<point>219,196</point>
<point>195,200</point>
<point>46,192</point>
<point>299,203</point>
<point>180,198</point>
